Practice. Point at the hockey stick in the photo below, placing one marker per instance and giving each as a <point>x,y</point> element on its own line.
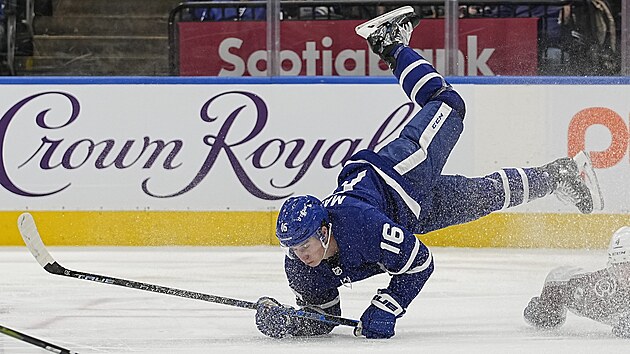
<point>34,242</point>
<point>35,341</point>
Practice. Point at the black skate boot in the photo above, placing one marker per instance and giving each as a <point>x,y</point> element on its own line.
<point>574,182</point>
<point>388,30</point>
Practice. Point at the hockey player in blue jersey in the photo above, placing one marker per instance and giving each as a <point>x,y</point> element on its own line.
<point>367,226</point>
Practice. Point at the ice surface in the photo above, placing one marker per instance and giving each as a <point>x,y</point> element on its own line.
<point>472,304</point>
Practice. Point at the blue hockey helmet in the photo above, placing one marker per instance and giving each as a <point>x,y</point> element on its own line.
<point>300,218</point>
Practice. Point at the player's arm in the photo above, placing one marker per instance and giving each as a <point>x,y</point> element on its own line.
<point>549,309</point>
<point>274,320</point>
<point>315,290</point>
<point>410,263</point>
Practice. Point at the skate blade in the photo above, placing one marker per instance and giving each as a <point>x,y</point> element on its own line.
<point>585,167</point>
<point>366,28</point>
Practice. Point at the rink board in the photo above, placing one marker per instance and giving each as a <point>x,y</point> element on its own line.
<point>208,161</point>
<point>111,228</point>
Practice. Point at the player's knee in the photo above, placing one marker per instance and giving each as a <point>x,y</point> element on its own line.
<point>453,100</point>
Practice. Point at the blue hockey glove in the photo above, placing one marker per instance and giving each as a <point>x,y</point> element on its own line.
<point>273,319</point>
<point>622,328</point>
<point>379,319</point>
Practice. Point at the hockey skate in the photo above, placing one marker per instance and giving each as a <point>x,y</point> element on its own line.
<point>574,182</point>
<point>386,31</point>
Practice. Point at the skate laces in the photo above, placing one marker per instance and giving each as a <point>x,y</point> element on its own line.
<point>566,192</point>
<point>571,188</point>
<point>576,182</point>
<point>398,30</point>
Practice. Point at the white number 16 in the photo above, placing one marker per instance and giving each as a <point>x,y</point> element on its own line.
<point>392,234</point>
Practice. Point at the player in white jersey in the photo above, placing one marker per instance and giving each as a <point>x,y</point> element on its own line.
<point>602,295</point>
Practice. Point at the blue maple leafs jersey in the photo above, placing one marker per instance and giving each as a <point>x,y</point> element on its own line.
<point>383,199</point>
<point>373,226</point>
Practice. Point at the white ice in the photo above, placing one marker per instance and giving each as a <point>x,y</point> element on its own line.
<point>472,304</point>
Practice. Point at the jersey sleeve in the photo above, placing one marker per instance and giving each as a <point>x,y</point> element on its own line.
<point>401,254</point>
<point>315,291</point>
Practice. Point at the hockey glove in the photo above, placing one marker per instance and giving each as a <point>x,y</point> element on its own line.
<point>544,315</point>
<point>379,319</point>
<point>306,327</point>
<point>273,319</point>
<point>622,328</point>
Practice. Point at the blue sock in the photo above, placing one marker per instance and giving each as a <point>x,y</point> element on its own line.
<point>421,82</point>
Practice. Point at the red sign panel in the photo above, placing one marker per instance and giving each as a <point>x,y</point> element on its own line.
<point>486,47</point>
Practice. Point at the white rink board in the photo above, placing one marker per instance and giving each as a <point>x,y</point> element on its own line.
<point>47,163</point>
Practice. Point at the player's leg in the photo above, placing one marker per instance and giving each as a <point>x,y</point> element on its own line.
<point>388,36</point>
<point>424,144</point>
<point>456,199</point>
<point>459,199</point>
<point>421,150</point>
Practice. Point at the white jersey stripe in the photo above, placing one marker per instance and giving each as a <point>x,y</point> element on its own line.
<point>413,205</point>
<point>421,83</point>
<point>410,67</point>
<point>415,159</point>
<point>506,189</point>
<point>525,184</point>
<point>329,304</point>
<point>412,257</point>
<point>326,305</point>
<point>423,266</point>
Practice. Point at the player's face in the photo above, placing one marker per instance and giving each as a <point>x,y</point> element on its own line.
<point>311,251</point>
<point>621,271</point>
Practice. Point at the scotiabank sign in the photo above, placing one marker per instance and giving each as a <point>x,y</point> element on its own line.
<point>486,47</point>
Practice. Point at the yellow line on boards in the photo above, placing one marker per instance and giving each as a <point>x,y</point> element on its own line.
<point>239,228</point>
<point>144,228</point>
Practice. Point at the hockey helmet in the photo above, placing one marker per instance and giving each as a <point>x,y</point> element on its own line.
<point>300,218</point>
<point>619,249</point>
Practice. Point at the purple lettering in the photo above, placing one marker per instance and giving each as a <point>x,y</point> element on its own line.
<point>244,154</point>
<point>257,154</point>
<point>218,143</point>
<point>159,146</point>
<point>304,166</point>
<point>354,144</point>
<point>40,120</point>
<point>377,139</point>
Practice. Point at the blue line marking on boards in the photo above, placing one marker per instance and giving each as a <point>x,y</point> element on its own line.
<point>304,80</point>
